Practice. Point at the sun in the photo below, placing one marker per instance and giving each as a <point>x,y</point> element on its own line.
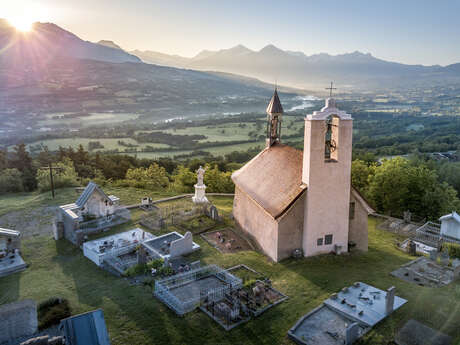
<point>22,23</point>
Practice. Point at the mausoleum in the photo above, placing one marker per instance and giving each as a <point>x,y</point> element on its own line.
<point>93,212</point>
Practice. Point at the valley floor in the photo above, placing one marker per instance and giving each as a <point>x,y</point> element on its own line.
<point>134,316</point>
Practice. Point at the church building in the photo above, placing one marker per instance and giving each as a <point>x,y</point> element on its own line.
<point>286,199</point>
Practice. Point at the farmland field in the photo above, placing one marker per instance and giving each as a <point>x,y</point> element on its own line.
<point>58,119</point>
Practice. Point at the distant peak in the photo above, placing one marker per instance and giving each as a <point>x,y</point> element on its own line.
<point>270,48</point>
<point>110,44</point>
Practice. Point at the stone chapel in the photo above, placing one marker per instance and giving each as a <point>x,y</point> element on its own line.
<point>286,199</point>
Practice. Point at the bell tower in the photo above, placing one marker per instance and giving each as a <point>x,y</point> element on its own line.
<point>274,117</point>
<point>327,173</point>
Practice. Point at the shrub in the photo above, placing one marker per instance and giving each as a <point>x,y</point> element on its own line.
<point>454,250</point>
<point>166,271</point>
<point>52,311</point>
<point>156,264</point>
<point>136,270</point>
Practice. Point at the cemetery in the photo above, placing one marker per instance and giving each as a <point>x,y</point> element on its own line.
<point>238,298</point>
<point>346,316</point>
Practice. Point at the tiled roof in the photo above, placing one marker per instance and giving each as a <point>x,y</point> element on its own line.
<point>273,178</point>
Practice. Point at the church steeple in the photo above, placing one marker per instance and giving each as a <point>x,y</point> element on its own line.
<point>274,115</point>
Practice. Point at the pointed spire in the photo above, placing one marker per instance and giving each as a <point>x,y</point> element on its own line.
<point>275,107</point>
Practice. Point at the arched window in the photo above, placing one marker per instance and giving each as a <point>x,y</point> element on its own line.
<point>331,139</point>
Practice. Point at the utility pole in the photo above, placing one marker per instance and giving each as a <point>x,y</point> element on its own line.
<point>51,168</point>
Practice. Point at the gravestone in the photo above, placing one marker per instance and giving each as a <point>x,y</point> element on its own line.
<point>434,255</point>
<point>141,256</point>
<point>351,333</point>
<point>213,213</point>
<point>407,216</point>
<point>444,258</point>
<point>390,300</point>
<point>181,246</point>
<point>412,248</point>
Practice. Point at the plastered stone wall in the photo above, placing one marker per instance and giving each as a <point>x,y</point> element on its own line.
<point>328,194</point>
<point>290,229</point>
<point>358,226</point>
<point>257,223</point>
<point>18,319</point>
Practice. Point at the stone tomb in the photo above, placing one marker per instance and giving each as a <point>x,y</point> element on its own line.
<point>18,319</point>
<point>324,326</point>
<point>171,245</point>
<point>425,272</point>
<point>346,315</point>
<point>10,258</point>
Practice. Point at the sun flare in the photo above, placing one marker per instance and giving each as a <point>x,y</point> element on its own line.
<point>22,23</point>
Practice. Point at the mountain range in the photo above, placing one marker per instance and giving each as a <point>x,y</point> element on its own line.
<point>50,70</point>
<point>354,70</point>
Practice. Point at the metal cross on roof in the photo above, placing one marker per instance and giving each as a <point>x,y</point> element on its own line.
<point>330,89</point>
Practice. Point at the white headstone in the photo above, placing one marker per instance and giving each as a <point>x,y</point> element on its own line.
<point>181,246</point>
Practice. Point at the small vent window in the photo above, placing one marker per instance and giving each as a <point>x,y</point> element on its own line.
<point>328,239</point>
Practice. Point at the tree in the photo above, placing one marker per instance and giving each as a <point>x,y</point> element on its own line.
<point>398,185</point>
<point>22,161</point>
<point>154,177</point>
<point>218,181</point>
<point>184,179</point>
<point>361,173</point>
<point>11,181</point>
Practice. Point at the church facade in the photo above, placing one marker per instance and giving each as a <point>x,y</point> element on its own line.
<point>286,199</point>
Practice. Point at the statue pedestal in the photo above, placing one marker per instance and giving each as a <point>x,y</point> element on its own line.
<point>200,196</point>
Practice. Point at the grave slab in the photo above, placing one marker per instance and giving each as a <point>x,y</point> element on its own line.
<point>363,303</point>
<point>416,333</point>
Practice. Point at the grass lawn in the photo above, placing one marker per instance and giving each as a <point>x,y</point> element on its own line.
<point>134,316</point>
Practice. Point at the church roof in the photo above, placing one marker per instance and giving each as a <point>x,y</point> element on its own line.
<point>275,107</point>
<point>273,178</point>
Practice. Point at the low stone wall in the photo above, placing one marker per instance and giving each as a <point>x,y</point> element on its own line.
<point>17,320</point>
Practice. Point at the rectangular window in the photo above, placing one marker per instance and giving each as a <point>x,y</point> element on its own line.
<point>352,210</point>
<point>319,241</point>
<point>328,239</point>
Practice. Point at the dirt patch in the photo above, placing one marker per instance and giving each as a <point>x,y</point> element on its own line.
<point>226,241</point>
<point>35,222</point>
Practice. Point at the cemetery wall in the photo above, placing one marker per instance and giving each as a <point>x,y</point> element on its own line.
<point>290,229</point>
<point>358,226</point>
<point>18,319</point>
<point>256,223</point>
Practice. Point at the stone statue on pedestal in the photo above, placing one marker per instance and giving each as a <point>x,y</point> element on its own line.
<point>200,187</point>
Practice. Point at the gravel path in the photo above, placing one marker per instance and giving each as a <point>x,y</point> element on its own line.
<point>35,222</point>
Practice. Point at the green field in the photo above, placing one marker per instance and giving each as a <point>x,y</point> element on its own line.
<point>85,121</point>
<point>108,143</point>
<point>220,134</point>
<point>134,316</point>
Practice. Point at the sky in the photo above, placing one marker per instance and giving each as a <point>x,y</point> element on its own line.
<point>407,31</point>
